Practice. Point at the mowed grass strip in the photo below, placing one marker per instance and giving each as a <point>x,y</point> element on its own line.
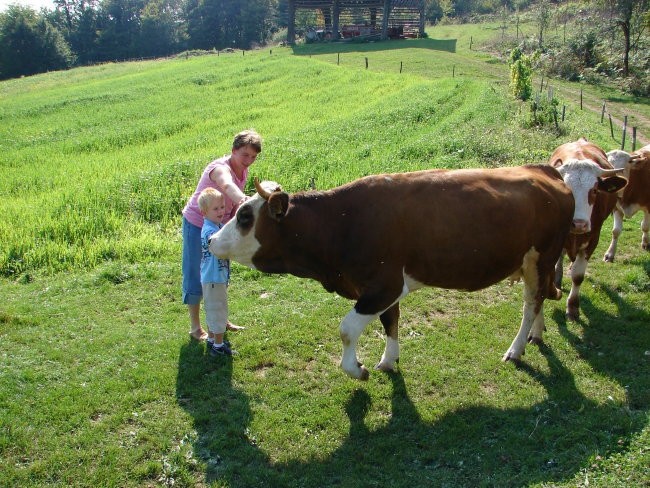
<point>100,386</point>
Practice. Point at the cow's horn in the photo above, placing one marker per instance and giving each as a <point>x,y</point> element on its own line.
<point>636,158</point>
<point>611,172</point>
<point>260,190</point>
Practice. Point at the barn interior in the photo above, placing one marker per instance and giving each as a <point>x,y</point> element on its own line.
<point>363,20</point>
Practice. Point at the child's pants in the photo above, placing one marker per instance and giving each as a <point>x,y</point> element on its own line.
<point>215,302</point>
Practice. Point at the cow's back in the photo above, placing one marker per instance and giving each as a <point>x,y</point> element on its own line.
<point>464,229</point>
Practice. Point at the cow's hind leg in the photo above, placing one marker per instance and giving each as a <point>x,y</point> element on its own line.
<point>532,311</point>
<point>390,320</point>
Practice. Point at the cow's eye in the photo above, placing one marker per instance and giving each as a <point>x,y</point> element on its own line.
<point>245,217</point>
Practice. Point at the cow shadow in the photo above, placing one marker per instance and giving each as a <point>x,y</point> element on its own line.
<point>469,446</point>
<point>615,343</point>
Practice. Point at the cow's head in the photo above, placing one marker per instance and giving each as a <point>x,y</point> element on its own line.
<point>237,239</point>
<point>625,160</point>
<point>585,179</point>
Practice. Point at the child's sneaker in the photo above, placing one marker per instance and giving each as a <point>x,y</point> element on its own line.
<point>221,350</point>
<point>210,342</point>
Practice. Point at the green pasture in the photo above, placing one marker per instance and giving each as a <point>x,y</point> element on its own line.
<point>100,384</point>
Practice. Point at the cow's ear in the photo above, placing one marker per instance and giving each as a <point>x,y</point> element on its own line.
<point>611,184</point>
<point>557,163</point>
<point>278,205</point>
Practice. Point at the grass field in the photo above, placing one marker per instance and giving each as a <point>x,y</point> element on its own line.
<point>100,385</point>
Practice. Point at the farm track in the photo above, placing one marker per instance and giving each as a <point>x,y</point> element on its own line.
<point>593,103</point>
<point>618,111</point>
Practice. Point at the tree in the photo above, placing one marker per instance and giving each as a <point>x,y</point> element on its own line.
<point>630,16</point>
<point>78,20</point>
<point>543,19</point>
<point>120,22</point>
<point>30,44</point>
<point>159,33</point>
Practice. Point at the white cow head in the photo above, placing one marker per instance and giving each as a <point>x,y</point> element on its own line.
<point>585,179</point>
<point>236,240</point>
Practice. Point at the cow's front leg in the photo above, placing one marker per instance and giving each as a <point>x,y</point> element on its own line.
<point>559,270</point>
<point>390,320</point>
<point>645,227</point>
<point>351,328</point>
<point>578,269</point>
<point>616,232</point>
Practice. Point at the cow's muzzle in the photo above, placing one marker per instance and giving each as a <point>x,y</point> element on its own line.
<point>580,226</point>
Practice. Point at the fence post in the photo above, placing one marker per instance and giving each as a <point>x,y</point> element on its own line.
<point>338,58</point>
<point>611,126</point>
<point>580,98</point>
<point>624,131</point>
<point>400,66</point>
<point>633,139</point>
<point>602,112</point>
<point>453,71</point>
<point>366,63</point>
<point>563,111</point>
<point>541,86</point>
<point>471,39</point>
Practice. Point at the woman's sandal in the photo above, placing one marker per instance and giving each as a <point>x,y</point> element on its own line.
<point>199,335</point>
<point>231,326</point>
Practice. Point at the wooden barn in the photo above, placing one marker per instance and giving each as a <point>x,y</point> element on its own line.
<point>369,19</point>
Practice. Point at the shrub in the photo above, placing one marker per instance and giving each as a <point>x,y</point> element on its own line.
<point>521,74</point>
<point>543,114</point>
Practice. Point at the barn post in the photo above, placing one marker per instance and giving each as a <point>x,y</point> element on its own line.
<point>422,16</point>
<point>384,20</point>
<point>291,24</point>
<point>336,13</point>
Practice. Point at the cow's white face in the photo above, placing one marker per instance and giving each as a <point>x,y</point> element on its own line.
<point>236,240</point>
<point>583,177</point>
<point>620,159</point>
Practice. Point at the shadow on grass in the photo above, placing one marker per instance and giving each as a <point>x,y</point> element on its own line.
<point>474,446</point>
<point>615,344</point>
<point>448,45</point>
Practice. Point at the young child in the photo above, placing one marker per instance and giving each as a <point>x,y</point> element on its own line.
<point>215,273</point>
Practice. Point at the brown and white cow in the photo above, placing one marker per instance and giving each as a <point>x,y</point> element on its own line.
<point>635,196</point>
<point>378,238</point>
<point>585,169</point>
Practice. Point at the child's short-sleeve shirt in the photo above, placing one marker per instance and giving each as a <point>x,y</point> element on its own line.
<point>213,269</point>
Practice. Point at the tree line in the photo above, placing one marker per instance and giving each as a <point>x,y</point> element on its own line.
<point>81,32</point>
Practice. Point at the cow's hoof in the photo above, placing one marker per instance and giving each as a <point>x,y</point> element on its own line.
<point>535,340</point>
<point>645,247</point>
<point>608,258</point>
<point>572,316</point>
<point>386,368</point>
<point>511,356</point>
<point>365,374</point>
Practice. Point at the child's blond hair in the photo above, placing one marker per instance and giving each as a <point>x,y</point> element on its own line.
<point>207,196</point>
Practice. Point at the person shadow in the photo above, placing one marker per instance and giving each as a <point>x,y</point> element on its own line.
<point>479,445</point>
